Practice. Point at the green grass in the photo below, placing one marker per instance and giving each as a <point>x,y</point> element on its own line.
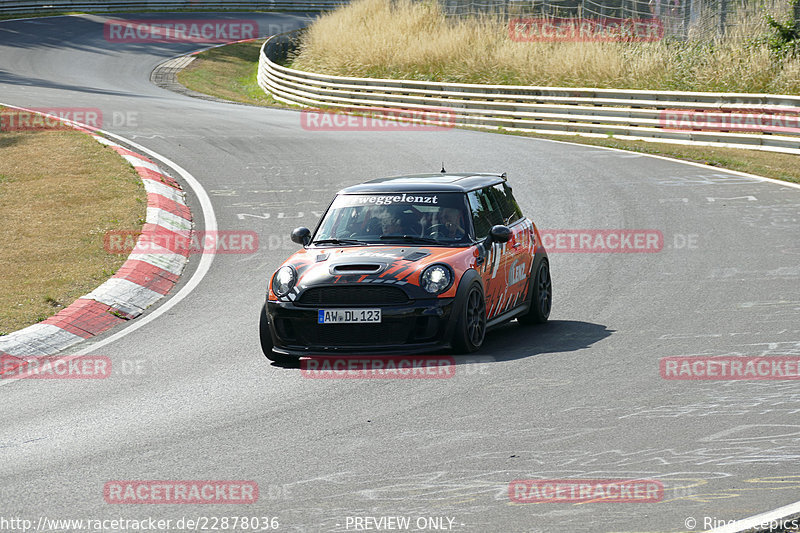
<point>228,72</point>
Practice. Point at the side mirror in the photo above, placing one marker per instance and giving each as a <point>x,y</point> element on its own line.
<point>301,235</point>
<point>499,234</point>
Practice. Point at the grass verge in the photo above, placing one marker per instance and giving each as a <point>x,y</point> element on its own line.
<point>229,72</point>
<point>60,192</point>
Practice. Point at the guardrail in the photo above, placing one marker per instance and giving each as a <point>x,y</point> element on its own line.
<point>756,121</point>
<point>56,6</point>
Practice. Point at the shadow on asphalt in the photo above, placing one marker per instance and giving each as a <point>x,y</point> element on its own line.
<point>516,341</point>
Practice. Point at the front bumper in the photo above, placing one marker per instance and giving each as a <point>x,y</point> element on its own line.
<point>414,327</point>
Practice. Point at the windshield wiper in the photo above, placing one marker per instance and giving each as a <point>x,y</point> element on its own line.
<point>337,241</point>
<point>409,238</point>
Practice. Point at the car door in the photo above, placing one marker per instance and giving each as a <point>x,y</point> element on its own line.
<point>518,250</point>
<point>486,212</point>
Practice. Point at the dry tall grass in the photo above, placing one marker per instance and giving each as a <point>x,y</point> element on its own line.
<point>415,40</point>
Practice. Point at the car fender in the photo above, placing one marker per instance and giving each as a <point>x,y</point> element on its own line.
<point>538,257</point>
<point>471,275</point>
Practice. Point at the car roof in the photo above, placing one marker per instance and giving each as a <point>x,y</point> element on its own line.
<point>439,182</point>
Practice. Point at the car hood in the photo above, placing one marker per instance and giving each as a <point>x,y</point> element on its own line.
<point>400,265</point>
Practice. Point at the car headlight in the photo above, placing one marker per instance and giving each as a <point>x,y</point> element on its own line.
<point>283,280</point>
<point>436,279</point>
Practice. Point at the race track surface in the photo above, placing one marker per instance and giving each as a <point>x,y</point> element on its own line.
<point>580,397</point>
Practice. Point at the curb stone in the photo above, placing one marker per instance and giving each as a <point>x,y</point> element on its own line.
<point>141,281</point>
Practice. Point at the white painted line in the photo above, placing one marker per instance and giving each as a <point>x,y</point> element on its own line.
<point>787,510</point>
<point>674,160</point>
<point>761,521</point>
<point>210,224</point>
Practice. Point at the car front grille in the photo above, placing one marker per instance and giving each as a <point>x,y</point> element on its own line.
<point>344,335</point>
<point>353,295</point>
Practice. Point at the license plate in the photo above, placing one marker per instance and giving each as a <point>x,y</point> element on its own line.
<point>348,316</point>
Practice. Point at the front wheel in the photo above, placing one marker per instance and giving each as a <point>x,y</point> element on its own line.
<point>471,327</point>
<point>267,343</point>
<point>541,297</point>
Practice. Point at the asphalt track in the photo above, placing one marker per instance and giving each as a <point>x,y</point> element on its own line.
<point>580,397</point>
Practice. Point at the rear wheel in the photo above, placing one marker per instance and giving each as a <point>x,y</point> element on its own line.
<point>267,343</point>
<point>541,296</point>
<point>471,327</point>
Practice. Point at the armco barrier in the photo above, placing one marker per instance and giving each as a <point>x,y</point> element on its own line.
<point>56,6</point>
<point>756,121</point>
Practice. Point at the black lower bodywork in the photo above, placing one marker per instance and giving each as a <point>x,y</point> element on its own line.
<point>410,327</point>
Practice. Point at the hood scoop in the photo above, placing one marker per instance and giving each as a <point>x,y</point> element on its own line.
<point>416,255</point>
<point>357,268</point>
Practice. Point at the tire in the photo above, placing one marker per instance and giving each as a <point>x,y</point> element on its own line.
<point>541,296</point>
<point>267,344</point>
<point>471,328</point>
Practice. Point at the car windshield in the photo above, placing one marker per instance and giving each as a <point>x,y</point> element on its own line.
<point>424,218</point>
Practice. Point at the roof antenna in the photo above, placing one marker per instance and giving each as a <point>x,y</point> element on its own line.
<point>443,170</point>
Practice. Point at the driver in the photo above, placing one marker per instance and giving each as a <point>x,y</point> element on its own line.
<point>453,223</point>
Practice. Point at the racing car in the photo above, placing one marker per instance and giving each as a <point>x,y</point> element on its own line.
<point>408,264</point>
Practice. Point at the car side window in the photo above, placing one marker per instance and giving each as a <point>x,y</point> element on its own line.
<point>485,212</point>
<point>509,208</point>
